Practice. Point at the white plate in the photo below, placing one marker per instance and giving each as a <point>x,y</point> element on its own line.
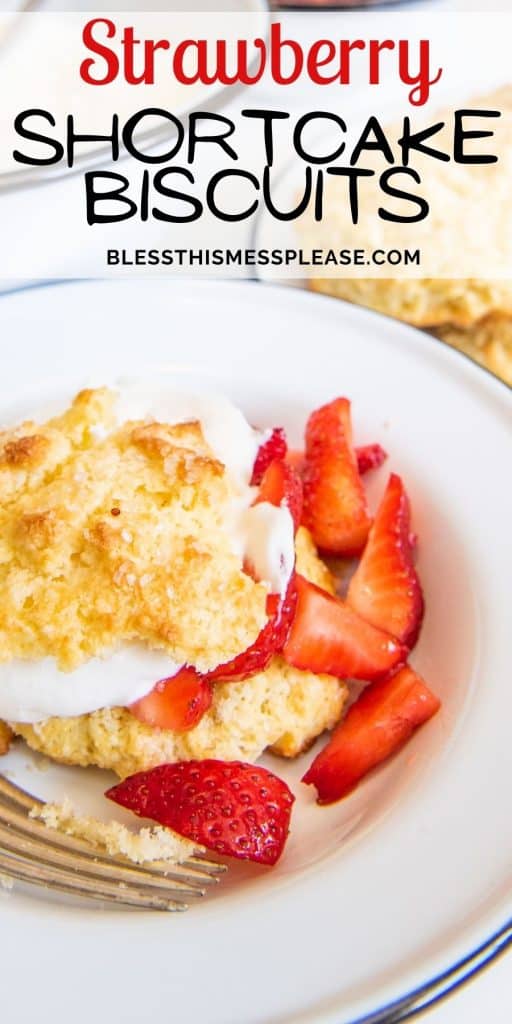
<point>378,893</point>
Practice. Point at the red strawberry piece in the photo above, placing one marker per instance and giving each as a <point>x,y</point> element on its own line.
<point>385,589</point>
<point>274,449</point>
<point>177,703</point>
<point>235,809</point>
<point>281,485</point>
<point>295,459</point>
<point>383,718</point>
<point>328,636</point>
<point>370,456</point>
<point>335,508</point>
<point>268,643</point>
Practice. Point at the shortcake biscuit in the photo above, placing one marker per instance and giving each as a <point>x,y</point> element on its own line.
<point>115,533</point>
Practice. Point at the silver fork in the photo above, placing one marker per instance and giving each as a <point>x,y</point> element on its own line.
<point>31,852</point>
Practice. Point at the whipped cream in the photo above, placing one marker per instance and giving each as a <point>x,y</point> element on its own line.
<point>31,691</point>
<point>266,541</point>
<point>261,535</point>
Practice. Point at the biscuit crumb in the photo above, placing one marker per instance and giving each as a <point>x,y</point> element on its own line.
<point>142,847</point>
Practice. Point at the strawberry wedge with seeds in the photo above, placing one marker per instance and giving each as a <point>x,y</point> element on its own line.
<point>326,635</point>
<point>272,450</point>
<point>281,485</point>
<point>385,589</point>
<point>235,809</point>
<point>380,722</point>
<point>335,508</point>
<point>370,456</point>
<point>177,703</point>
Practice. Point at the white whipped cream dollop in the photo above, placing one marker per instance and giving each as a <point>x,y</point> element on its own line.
<point>261,535</point>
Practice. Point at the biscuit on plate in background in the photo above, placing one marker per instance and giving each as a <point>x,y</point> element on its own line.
<point>489,342</point>
<point>468,227</point>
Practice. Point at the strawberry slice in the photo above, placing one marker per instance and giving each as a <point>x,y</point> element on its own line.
<point>383,718</point>
<point>295,459</point>
<point>239,810</point>
<point>328,636</point>
<point>177,703</point>
<point>269,641</point>
<point>280,484</point>
<point>272,450</point>
<point>370,456</point>
<point>335,508</point>
<point>385,589</point>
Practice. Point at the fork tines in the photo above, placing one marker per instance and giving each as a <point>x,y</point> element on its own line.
<point>31,852</point>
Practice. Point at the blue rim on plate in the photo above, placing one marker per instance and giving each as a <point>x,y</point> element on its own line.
<point>435,991</point>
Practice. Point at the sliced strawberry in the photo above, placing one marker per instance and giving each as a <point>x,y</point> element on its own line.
<point>280,484</point>
<point>385,588</point>
<point>335,508</point>
<point>328,636</point>
<point>295,459</point>
<point>177,703</point>
<point>370,456</point>
<point>235,809</point>
<point>268,643</point>
<point>383,718</point>
<point>272,450</point>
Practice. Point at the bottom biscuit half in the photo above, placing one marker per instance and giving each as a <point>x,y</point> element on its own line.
<point>282,708</point>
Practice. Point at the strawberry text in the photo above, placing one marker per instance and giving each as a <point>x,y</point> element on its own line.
<point>118,53</point>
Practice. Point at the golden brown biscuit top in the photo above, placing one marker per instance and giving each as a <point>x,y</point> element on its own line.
<point>113,534</point>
